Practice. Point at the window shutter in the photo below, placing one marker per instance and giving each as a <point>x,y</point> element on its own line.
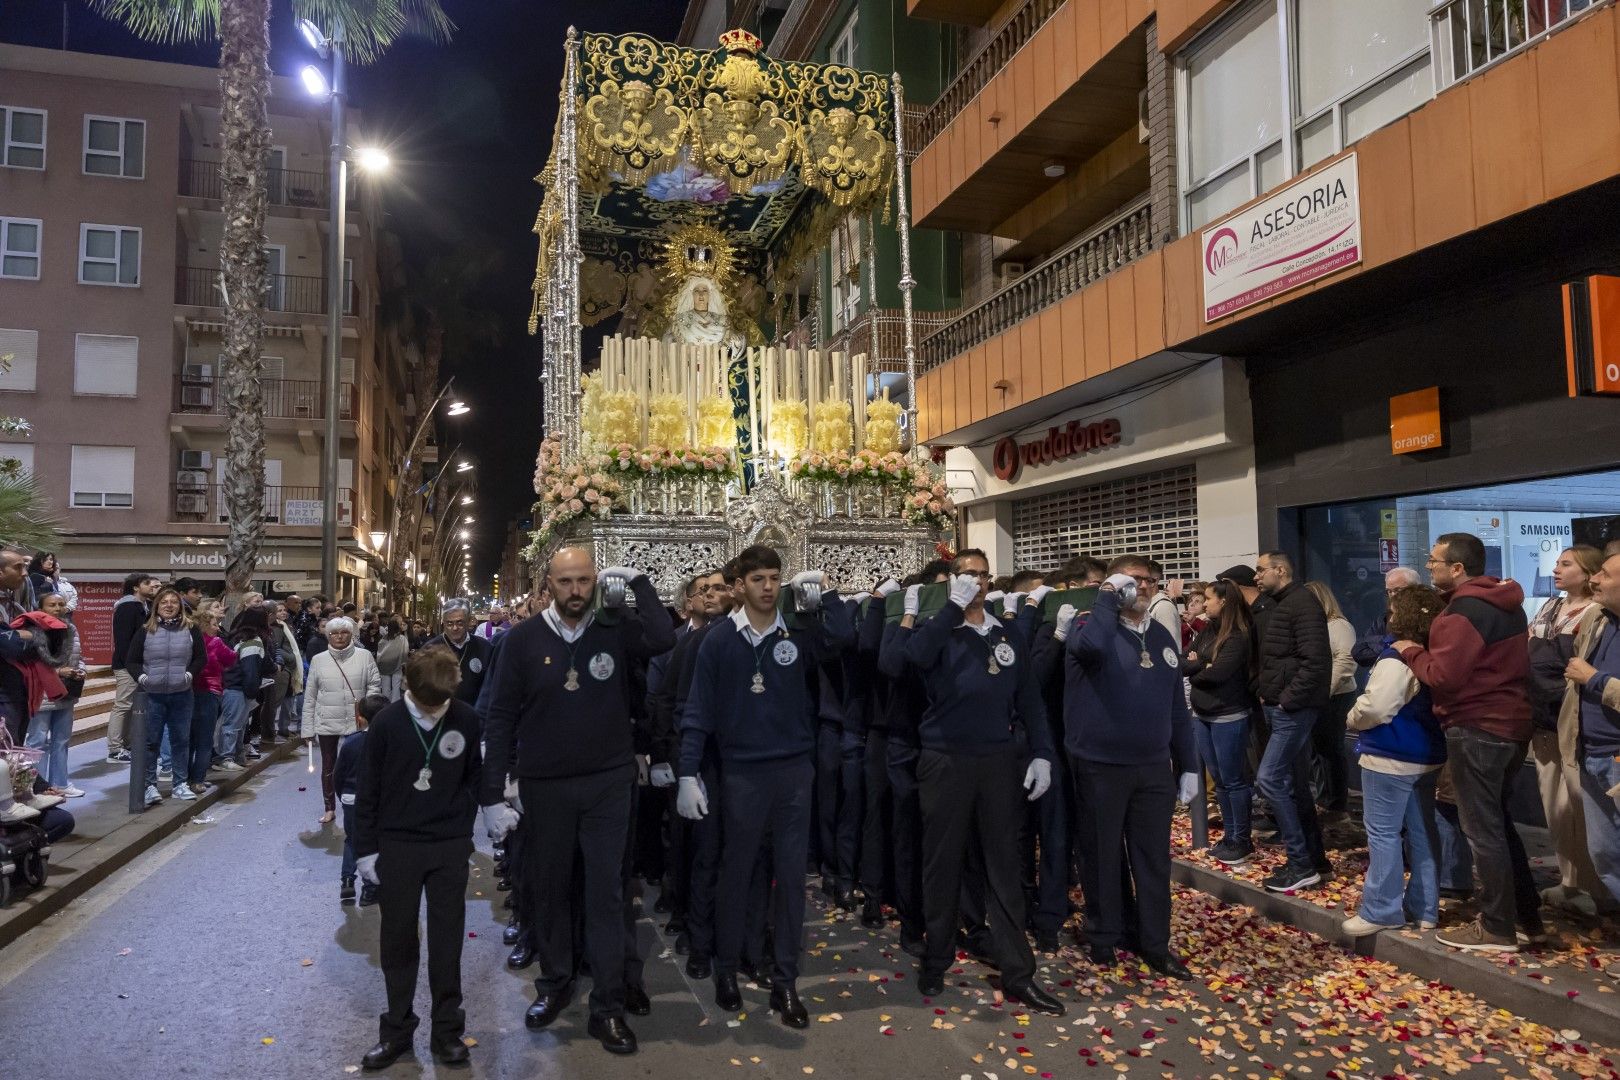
<point>23,348</point>
<point>105,364</point>
<point>103,476</point>
<point>21,453</point>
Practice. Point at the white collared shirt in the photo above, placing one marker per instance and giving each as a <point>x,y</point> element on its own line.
<point>982,629</point>
<point>740,619</point>
<point>569,635</point>
<point>424,718</point>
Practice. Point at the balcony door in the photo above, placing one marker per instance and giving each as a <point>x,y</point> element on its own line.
<point>275,295</point>
<point>275,175</point>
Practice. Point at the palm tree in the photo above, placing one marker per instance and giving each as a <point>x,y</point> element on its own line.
<point>242,28</point>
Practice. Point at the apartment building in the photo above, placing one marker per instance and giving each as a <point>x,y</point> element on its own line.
<point>110,224</point>
<point>1256,273</point>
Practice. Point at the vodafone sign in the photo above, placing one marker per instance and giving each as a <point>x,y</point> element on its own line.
<point>1059,444</point>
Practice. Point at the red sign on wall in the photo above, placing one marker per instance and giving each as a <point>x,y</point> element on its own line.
<point>1389,555</point>
<point>93,619</point>
<point>1010,456</point>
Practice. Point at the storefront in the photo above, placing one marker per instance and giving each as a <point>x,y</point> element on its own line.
<point>1498,448</point>
<point>1164,470</point>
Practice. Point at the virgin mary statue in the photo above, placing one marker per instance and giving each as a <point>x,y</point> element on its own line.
<point>700,318</point>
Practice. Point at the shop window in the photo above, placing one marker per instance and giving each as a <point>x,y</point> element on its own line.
<point>1154,514</point>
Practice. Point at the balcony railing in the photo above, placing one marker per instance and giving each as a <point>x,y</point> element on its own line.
<point>293,293</point>
<point>891,335</point>
<point>1471,35</point>
<point>284,187</point>
<point>283,505</point>
<point>284,399</point>
<point>982,66</point>
<point>1122,239</point>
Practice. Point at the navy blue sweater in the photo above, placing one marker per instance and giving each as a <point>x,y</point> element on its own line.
<point>562,732</point>
<point>749,728</point>
<point>1116,712</point>
<point>346,771</point>
<point>971,711</point>
<point>906,699</point>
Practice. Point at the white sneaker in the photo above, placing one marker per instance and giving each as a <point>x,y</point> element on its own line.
<point>183,792</point>
<point>153,796</point>
<point>1356,926</point>
<point>72,792</point>
<point>228,766</point>
<point>1428,924</point>
<point>15,812</point>
<point>165,775</point>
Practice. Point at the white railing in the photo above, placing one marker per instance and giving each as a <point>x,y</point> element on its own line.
<point>1471,35</point>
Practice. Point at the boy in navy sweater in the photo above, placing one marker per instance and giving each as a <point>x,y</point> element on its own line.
<point>979,686</point>
<point>751,698</point>
<point>563,693</point>
<point>346,782</point>
<point>1129,737</point>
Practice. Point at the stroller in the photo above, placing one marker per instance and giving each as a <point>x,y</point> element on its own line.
<point>25,848</point>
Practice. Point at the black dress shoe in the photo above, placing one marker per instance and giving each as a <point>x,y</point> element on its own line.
<point>1046,941</point>
<point>930,984</point>
<point>503,884</point>
<point>785,1000</point>
<point>546,1009</point>
<point>662,905</point>
<point>613,1033</point>
<point>513,931</point>
<point>368,894</point>
<point>676,925</point>
<point>1102,955</point>
<point>699,967</point>
<point>1167,965</point>
<point>1036,999</point>
<point>384,1054</point>
<point>758,974</point>
<point>913,946</point>
<point>872,913</point>
<point>726,994</point>
<point>683,944</point>
<point>522,956</point>
<point>451,1053</point>
<point>636,1001</point>
<point>346,890</point>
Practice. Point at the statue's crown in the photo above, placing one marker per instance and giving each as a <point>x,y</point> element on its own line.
<point>740,41</point>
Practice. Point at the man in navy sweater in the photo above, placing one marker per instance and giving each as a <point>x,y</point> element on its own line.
<point>563,693</point>
<point>840,748</point>
<point>1130,740</point>
<point>751,696</point>
<point>472,652</point>
<point>980,688</point>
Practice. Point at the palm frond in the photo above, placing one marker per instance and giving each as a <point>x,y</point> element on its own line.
<point>163,20</point>
<point>26,518</point>
<point>371,26</point>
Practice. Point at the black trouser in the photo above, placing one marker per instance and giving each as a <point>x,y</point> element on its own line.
<point>973,800</point>
<point>270,710</point>
<point>632,946</point>
<point>1133,804</point>
<point>705,867</point>
<point>406,870</point>
<point>524,901</point>
<point>877,820</point>
<point>1327,739</point>
<point>907,838</point>
<point>587,817</point>
<point>677,865</point>
<point>1049,858</point>
<point>1483,768</point>
<point>648,849</point>
<point>763,800</point>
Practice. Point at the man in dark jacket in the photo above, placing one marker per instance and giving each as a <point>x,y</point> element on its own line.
<point>1295,664</point>
<point>1476,666</point>
<point>129,614</point>
<point>471,651</point>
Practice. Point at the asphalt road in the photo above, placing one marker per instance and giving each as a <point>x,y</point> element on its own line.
<point>224,953</point>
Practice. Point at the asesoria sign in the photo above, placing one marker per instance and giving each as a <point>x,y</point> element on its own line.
<point>1306,231</point>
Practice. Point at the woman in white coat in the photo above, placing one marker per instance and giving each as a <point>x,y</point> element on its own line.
<point>339,680</point>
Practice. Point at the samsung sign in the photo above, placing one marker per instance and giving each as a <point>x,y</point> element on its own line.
<point>1309,229</point>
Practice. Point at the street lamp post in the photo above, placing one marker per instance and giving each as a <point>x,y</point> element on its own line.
<point>338,225</point>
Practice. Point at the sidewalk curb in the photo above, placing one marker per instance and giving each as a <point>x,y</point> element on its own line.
<point>1530,998</point>
<point>121,847</point>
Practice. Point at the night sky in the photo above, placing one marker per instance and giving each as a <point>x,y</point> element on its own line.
<point>469,125</point>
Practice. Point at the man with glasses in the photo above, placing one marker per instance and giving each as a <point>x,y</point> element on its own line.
<point>1377,637</point>
<point>1293,683</point>
<point>472,651</point>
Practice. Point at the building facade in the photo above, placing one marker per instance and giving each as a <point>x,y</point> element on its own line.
<point>111,309</point>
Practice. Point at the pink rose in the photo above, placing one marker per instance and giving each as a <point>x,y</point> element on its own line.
<point>935,508</point>
<point>919,501</point>
<point>591,496</point>
<point>575,505</point>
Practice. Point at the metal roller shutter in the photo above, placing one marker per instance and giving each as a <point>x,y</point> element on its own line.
<point>1155,514</point>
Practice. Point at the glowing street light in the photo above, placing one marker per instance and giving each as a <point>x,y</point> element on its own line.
<point>457,408</point>
<point>374,159</point>
<point>315,84</point>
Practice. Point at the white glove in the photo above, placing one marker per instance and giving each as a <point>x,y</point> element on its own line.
<point>1039,593</point>
<point>859,597</point>
<point>188,678</point>
<point>1037,778</point>
<point>366,867</point>
<point>888,587</point>
<point>499,819</point>
<point>141,681</point>
<point>691,801</point>
<point>1187,788</point>
<point>625,572</point>
<point>661,776</point>
<point>993,595</point>
<point>1125,586</point>
<point>1065,621</point>
<point>964,589</point>
<point>911,599</point>
<point>808,577</point>
<point>1011,608</point>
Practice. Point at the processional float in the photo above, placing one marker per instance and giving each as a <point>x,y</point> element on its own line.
<point>686,193</point>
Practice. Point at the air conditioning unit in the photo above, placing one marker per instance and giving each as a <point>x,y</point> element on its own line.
<point>191,480</point>
<point>1010,272</point>
<point>191,504</point>
<point>197,397</point>
<point>197,373</point>
<point>196,459</point>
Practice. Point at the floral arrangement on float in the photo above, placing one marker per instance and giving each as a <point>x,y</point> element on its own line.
<point>585,489</point>
<point>628,460</point>
<point>929,503</point>
<point>842,467</point>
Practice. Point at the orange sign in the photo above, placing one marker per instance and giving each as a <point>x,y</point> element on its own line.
<point>1414,421</point>
<point>1592,335</point>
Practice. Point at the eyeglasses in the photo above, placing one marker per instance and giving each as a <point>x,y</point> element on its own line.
<point>1144,580</point>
